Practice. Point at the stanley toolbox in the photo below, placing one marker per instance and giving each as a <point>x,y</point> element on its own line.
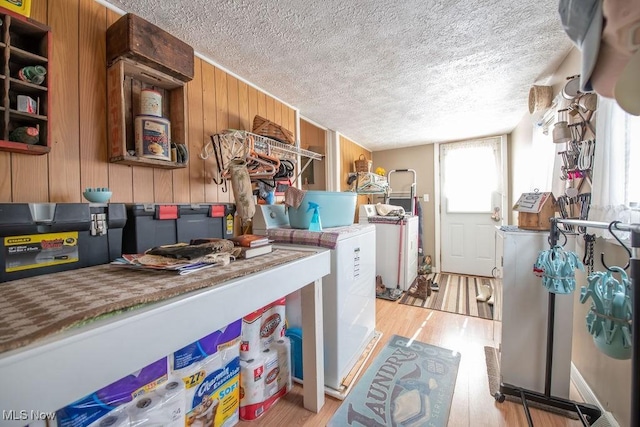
<point>151,225</point>
<point>40,238</point>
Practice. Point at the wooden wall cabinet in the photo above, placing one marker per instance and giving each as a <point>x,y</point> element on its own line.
<point>25,43</point>
<point>125,80</point>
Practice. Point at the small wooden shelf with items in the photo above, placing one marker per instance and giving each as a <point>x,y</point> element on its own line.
<point>24,104</point>
<point>147,69</point>
<point>125,80</point>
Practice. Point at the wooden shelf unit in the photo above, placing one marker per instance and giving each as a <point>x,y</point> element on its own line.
<point>24,42</point>
<point>125,80</point>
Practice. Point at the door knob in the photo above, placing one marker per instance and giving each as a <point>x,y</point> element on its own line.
<point>496,214</point>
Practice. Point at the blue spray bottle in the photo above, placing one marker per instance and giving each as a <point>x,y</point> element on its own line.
<point>315,224</point>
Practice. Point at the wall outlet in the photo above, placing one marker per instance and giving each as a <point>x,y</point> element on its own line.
<point>425,197</point>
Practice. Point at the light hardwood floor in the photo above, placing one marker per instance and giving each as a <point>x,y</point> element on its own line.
<point>472,405</point>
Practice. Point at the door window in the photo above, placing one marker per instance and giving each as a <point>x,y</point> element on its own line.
<point>470,175</point>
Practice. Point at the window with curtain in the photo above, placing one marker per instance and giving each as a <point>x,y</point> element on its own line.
<point>615,192</point>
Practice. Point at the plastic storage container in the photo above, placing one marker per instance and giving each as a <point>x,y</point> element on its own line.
<point>41,238</point>
<point>336,209</point>
<point>151,225</point>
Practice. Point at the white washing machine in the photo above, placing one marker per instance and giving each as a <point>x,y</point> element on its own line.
<point>396,246</point>
<point>348,294</point>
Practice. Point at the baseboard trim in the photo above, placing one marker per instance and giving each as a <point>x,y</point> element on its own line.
<point>588,396</point>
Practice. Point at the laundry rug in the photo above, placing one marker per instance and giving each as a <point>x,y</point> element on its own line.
<point>493,375</point>
<point>409,383</point>
<point>458,294</point>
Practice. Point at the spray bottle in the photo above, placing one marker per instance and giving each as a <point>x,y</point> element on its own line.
<point>315,224</point>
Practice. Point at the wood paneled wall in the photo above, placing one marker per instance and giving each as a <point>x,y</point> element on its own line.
<point>349,153</point>
<point>78,121</point>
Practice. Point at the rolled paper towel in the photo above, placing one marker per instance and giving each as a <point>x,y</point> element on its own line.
<point>273,323</point>
<point>242,189</point>
<point>283,347</point>
<point>271,371</point>
<point>250,346</point>
<point>252,378</point>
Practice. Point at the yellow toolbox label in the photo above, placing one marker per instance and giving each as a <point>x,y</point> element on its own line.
<point>40,250</point>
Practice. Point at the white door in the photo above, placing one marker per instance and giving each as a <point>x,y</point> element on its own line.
<point>471,205</point>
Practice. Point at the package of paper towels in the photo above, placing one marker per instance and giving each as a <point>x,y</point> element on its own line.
<point>273,323</point>
<point>210,371</point>
<point>262,328</point>
<point>265,380</point>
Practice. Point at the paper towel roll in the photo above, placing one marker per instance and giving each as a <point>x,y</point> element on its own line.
<point>250,344</point>
<point>147,411</point>
<point>273,323</point>
<point>252,377</point>
<point>271,371</point>
<point>173,401</point>
<point>283,347</point>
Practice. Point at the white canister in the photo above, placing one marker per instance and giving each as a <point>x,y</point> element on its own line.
<point>150,103</point>
<point>153,137</point>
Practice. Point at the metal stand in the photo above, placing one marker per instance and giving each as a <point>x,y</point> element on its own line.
<point>587,413</point>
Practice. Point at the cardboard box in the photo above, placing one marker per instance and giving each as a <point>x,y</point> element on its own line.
<point>133,37</point>
<point>535,211</point>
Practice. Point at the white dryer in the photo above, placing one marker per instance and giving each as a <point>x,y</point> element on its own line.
<point>396,246</point>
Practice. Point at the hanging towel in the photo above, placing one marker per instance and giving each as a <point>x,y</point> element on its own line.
<point>293,197</point>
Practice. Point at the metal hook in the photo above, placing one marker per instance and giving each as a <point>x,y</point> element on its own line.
<point>553,235</point>
<point>626,248</point>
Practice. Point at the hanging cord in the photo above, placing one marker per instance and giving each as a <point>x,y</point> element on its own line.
<point>589,244</point>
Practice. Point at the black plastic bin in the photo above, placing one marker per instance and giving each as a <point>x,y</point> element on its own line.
<point>151,225</point>
<point>40,238</point>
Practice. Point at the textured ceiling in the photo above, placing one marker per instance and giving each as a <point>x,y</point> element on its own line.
<point>386,74</point>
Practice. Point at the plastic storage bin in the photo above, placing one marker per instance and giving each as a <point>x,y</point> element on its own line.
<point>151,225</point>
<point>336,209</point>
<point>41,238</point>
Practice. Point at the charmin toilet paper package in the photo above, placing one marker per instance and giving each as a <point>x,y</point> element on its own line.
<point>108,407</point>
<point>210,371</point>
<point>273,323</point>
<point>265,380</point>
<point>250,346</point>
